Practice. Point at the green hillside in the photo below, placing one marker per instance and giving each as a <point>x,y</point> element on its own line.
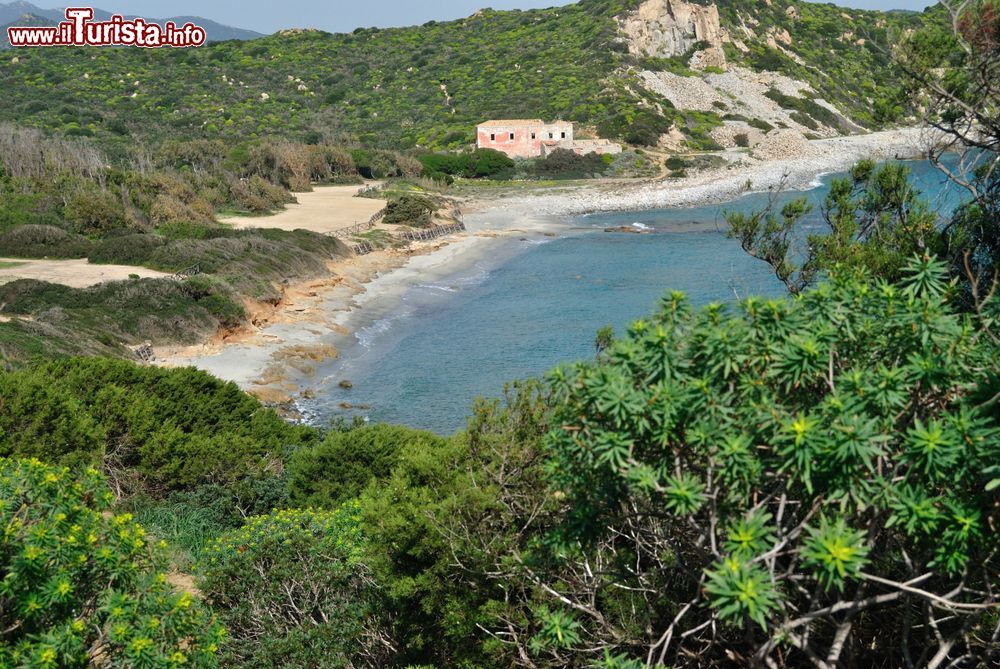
<point>424,85</point>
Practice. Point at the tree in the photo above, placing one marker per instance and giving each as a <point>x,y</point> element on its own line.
<point>292,590</point>
<point>80,585</point>
<point>878,221</point>
<point>807,482</point>
<point>875,219</point>
<point>954,70</point>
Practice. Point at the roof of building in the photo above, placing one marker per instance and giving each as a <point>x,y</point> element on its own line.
<point>522,121</point>
<point>518,121</point>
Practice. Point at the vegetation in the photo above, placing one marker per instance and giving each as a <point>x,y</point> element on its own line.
<point>427,86</point>
<point>565,164</point>
<point>876,219</point>
<point>149,430</point>
<point>410,209</point>
<point>801,482</point>
<point>293,592</point>
<point>845,55</point>
<point>61,199</point>
<point>81,585</point>
<point>752,485</point>
<point>472,164</point>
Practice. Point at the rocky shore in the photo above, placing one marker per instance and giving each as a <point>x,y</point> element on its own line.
<point>784,161</point>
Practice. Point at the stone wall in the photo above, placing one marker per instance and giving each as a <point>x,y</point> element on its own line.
<point>583,146</point>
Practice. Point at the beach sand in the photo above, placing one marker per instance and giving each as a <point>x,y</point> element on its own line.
<point>73,273</point>
<point>325,209</point>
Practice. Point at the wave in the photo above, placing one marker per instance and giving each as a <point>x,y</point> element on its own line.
<point>642,226</point>
<point>367,335</point>
<point>434,286</point>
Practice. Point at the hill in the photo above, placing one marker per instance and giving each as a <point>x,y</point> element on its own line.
<point>428,85</point>
<point>26,14</point>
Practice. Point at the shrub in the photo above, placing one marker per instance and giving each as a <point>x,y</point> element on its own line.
<point>340,467</point>
<point>676,163</point>
<point>489,163</point>
<point>291,590</point>
<point>42,241</point>
<point>846,440</point>
<point>93,212</point>
<point>641,127</point>
<point>81,586</point>
<point>565,164</point>
<point>409,209</point>
<point>742,140</point>
<point>149,429</point>
<point>125,250</point>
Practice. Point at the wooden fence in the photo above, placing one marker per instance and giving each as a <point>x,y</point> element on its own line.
<point>188,272</point>
<point>432,233</point>
<point>359,227</point>
<point>414,236</point>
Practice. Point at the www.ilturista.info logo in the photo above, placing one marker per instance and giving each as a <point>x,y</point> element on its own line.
<point>80,30</point>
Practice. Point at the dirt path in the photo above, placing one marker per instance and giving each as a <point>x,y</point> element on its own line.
<point>73,273</point>
<point>325,209</point>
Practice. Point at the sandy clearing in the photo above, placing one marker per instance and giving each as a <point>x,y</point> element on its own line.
<point>73,273</point>
<point>325,209</point>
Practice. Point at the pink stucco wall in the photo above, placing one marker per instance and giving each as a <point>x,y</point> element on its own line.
<point>521,140</point>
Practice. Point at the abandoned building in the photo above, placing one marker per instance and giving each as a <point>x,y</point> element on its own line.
<point>533,138</point>
<point>521,138</point>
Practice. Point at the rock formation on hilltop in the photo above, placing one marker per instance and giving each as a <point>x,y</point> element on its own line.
<point>668,28</point>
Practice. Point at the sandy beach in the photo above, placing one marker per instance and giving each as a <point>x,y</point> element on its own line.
<point>324,209</point>
<point>277,357</point>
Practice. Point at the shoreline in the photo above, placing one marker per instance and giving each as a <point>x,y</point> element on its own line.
<point>277,357</point>
<point>799,171</point>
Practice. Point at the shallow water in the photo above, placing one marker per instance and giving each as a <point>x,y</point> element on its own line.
<point>538,301</point>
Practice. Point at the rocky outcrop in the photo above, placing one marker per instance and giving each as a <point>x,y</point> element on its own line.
<point>667,28</point>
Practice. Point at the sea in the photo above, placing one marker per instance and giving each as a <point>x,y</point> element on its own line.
<point>535,302</point>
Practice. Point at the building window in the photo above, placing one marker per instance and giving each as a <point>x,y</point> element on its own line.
<point>493,137</point>
<point>563,136</point>
<point>532,135</point>
<point>550,135</point>
<point>512,137</point>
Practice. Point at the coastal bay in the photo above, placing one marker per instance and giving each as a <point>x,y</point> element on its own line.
<point>346,327</point>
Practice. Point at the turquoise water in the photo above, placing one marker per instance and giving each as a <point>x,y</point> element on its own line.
<point>536,302</point>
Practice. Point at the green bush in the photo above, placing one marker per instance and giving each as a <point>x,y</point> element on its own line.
<point>487,163</point>
<point>344,463</point>
<point>125,250</point>
<point>93,211</point>
<point>677,163</point>
<point>565,164</point>
<point>409,209</point>
<point>149,429</point>
<point>292,592</point>
<point>447,520</point>
<point>81,586</point>
<point>42,241</point>
<point>844,442</point>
